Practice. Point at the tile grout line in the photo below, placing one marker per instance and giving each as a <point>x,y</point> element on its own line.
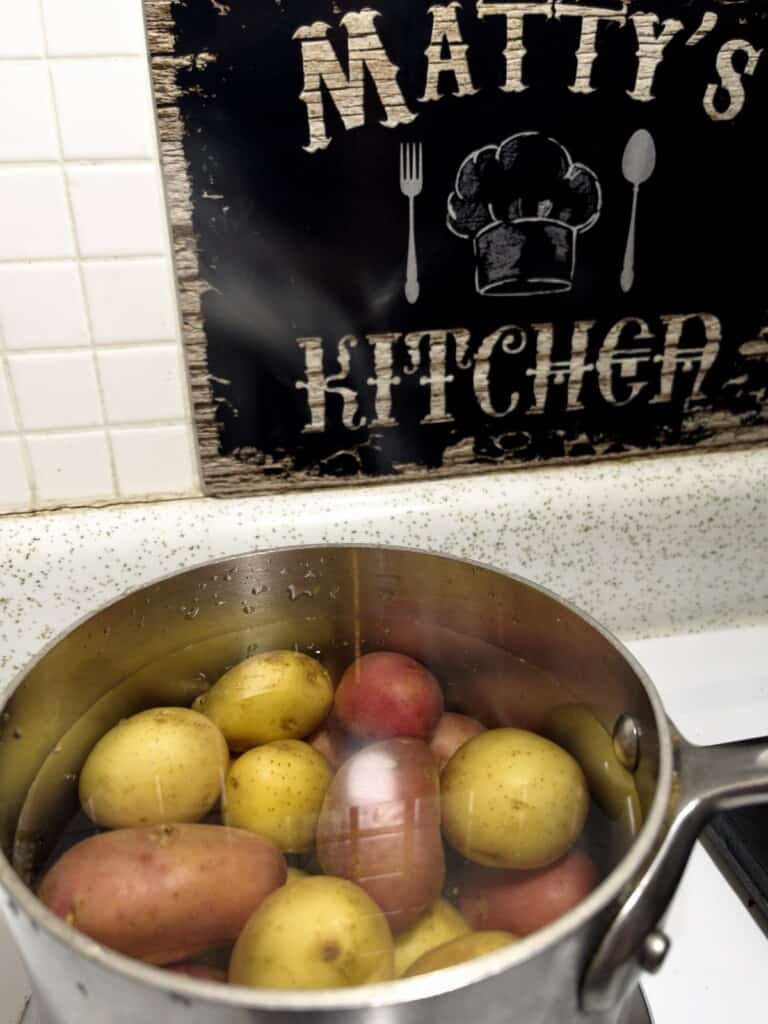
<point>98,347</point>
<point>48,57</point>
<point>174,421</point>
<point>130,258</point>
<point>76,161</point>
<point>78,263</point>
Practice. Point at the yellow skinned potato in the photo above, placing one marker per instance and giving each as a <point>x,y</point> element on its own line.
<point>318,932</point>
<point>457,951</point>
<point>277,791</point>
<point>436,926</point>
<point>156,767</point>
<point>294,874</point>
<point>276,695</point>
<point>512,799</point>
<point>578,730</point>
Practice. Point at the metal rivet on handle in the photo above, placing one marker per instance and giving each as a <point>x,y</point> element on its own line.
<point>654,951</point>
<point>626,741</point>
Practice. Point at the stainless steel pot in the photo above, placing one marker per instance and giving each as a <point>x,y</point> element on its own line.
<point>500,645</point>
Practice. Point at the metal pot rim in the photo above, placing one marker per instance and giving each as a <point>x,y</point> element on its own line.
<point>401,990</point>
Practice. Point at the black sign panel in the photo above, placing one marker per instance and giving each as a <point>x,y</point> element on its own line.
<point>445,236</point>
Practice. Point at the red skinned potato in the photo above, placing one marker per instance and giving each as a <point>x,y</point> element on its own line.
<point>452,731</point>
<point>384,694</point>
<point>164,893</point>
<point>524,901</point>
<point>380,827</point>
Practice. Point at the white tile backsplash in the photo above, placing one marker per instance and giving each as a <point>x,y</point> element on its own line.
<point>8,422</point>
<point>26,112</point>
<point>56,389</point>
<point>21,32</point>
<point>13,473</point>
<point>41,305</point>
<point>92,378</point>
<point>118,209</point>
<point>71,467</point>
<point>34,215</point>
<point>131,300</point>
<point>142,383</point>
<point>93,27</point>
<point>103,108</point>
<point>157,459</point>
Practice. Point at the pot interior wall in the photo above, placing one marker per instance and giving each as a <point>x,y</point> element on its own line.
<point>505,652</point>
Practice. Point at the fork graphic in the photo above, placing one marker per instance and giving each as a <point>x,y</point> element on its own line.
<point>410,186</point>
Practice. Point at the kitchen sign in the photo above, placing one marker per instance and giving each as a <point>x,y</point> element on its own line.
<point>434,238</point>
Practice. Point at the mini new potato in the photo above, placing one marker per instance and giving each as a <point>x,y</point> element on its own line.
<point>314,933</point>
<point>380,827</point>
<point>158,766</point>
<point>524,901</point>
<point>277,791</point>
<point>163,894</point>
<point>437,925</point>
<point>458,950</point>
<point>512,799</point>
<point>275,695</point>
<point>385,694</point>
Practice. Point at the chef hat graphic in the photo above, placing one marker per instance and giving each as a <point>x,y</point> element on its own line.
<point>523,204</point>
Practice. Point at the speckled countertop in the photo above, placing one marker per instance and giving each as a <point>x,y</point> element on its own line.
<point>650,547</point>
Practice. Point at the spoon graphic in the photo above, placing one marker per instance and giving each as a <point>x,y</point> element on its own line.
<point>637,165</point>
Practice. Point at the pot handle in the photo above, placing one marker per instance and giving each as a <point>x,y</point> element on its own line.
<point>706,780</point>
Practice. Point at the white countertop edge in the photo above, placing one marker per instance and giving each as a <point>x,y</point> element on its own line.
<point>650,546</point>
